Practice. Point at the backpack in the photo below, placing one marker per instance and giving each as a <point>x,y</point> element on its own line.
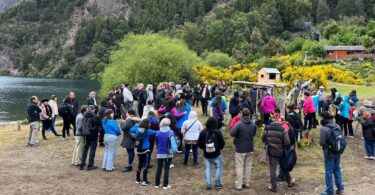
<point>172,143</point>
<point>210,143</point>
<point>87,126</point>
<point>139,140</point>
<point>290,159</point>
<point>63,110</point>
<point>336,142</point>
<point>332,110</point>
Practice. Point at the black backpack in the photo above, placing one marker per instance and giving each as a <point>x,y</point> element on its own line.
<point>336,142</point>
<point>63,110</point>
<point>210,142</point>
<point>290,160</point>
<point>87,126</point>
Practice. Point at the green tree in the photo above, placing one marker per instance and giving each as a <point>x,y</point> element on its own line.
<point>315,48</point>
<point>273,47</point>
<point>219,59</point>
<point>193,37</point>
<point>323,11</point>
<point>149,58</point>
<point>256,40</point>
<point>350,8</point>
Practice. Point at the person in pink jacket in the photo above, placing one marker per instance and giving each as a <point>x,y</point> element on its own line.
<point>170,106</point>
<point>309,111</point>
<point>46,116</point>
<point>268,106</point>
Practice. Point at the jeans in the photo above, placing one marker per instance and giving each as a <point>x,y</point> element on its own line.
<point>34,129</point>
<point>163,162</point>
<point>370,147</point>
<point>309,118</point>
<point>109,151</point>
<point>194,147</point>
<point>332,167</point>
<point>77,152</point>
<point>143,162</point>
<point>47,124</point>
<point>131,156</point>
<point>89,143</point>
<point>54,122</point>
<point>218,163</point>
<point>273,162</point>
<point>320,107</point>
<point>244,163</point>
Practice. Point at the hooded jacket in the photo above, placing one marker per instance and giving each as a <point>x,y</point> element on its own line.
<point>325,133</point>
<point>162,142</point>
<point>308,106</point>
<point>223,103</point>
<point>181,120</point>
<point>192,127</point>
<point>128,141</point>
<point>234,105</point>
<point>367,129</point>
<point>46,113</point>
<point>277,139</point>
<point>244,133</point>
<point>96,123</point>
<point>344,108</point>
<point>146,140</point>
<point>211,130</point>
<point>268,104</point>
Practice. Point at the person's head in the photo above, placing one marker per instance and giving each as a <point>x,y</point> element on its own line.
<point>236,94</point>
<point>54,97</point>
<point>149,87</point>
<point>109,114</point>
<point>72,95</point>
<point>290,108</point>
<point>245,95</point>
<point>353,93</point>
<point>245,112</point>
<point>68,99</point>
<point>140,86</point>
<point>326,116</point>
<point>366,115</point>
<point>170,104</point>
<point>92,94</point>
<point>276,117</point>
<point>145,124</point>
<point>165,122</point>
<point>90,108</point>
<point>160,87</point>
<point>131,112</point>
<point>84,109</point>
<point>34,99</point>
<point>126,85</point>
<point>45,101</point>
<point>151,114</point>
<point>217,100</point>
<point>182,104</point>
<point>306,94</point>
<point>212,123</point>
<point>150,102</point>
<point>321,88</point>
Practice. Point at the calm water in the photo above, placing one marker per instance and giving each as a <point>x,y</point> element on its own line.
<point>15,93</point>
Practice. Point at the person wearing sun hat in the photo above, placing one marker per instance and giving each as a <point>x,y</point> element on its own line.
<point>277,141</point>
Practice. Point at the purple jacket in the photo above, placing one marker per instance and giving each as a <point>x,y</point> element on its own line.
<point>217,112</point>
<point>162,141</point>
<point>268,104</point>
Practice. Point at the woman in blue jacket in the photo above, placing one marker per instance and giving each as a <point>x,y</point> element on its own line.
<point>142,134</point>
<point>344,109</point>
<point>111,132</point>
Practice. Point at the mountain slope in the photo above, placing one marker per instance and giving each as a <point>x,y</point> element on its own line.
<point>6,4</point>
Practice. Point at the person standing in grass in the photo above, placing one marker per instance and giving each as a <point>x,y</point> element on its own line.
<point>77,152</point>
<point>309,111</point>
<point>191,129</point>
<point>368,126</point>
<point>46,116</point>
<point>243,133</point>
<point>331,159</point>
<point>128,142</point>
<point>211,141</point>
<point>55,109</point>
<point>33,111</point>
<point>111,132</point>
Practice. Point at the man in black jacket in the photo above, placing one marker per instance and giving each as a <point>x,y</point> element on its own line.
<point>74,102</point>
<point>33,111</point>
<point>91,140</point>
<point>211,141</point>
<point>243,133</point>
<point>277,141</point>
<point>294,119</point>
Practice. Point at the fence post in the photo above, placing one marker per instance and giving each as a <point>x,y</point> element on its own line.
<point>18,125</point>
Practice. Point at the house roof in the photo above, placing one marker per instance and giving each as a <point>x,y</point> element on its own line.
<point>271,70</point>
<point>345,48</point>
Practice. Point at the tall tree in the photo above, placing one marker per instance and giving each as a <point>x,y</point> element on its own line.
<point>323,11</point>
<point>350,8</point>
<point>256,40</point>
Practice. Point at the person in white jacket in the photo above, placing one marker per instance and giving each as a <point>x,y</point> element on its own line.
<point>55,109</point>
<point>191,130</point>
<point>128,97</point>
<point>148,108</point>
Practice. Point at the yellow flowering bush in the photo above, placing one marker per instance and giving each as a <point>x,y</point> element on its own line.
<point>236,72</point>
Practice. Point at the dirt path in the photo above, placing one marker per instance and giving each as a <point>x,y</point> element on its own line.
<point>47,170</point>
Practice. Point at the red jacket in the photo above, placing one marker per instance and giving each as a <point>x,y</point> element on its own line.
<point>234,121</point>
<point>308,106</point>
<point>351,111</point>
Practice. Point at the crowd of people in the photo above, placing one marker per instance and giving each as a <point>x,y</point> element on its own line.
<point>164,117</point>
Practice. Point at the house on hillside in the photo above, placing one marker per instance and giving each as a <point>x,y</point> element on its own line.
<point>347,52</point>
<point>269,75</point>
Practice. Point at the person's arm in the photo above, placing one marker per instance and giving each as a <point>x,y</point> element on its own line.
<point>201,141</point>
<point>43,114</point>
<point>212,102</point>
<point>234,130</point>
<point>224,104</point>
<point>162,110</point>
<point>183,127</point>
<point>221,140</point>
<point>151,132</point>
<point>176,114</point>
<point>275,102</point>
<point>322,137</point>
<point>116,128</point>
<point>232,123</point>
<point>286,141</point>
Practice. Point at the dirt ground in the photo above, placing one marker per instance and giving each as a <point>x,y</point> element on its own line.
<point>47,169</point>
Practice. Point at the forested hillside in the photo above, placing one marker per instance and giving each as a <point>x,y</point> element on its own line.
<point>74,38</point>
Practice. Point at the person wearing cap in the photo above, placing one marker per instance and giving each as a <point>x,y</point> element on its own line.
<point>164,155</point>
<point>322,97</point>
<point>46,116</point>
<point>90,141</point>
<point>243,133</point>
<point>278,141</point>
<point>111,132</point>
<point>77,152</point>
<point>33,117</point>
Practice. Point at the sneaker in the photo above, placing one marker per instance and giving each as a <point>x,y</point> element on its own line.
<point>292,182</point>
<point>92,168</point>
<point>219,186</point>
<point>367,157</point>
<point>208,188</point>
<point>238,189</point>
<point>101,145</point>
<point>179,151</point>
<point>63,138</point>
<point>150,166</point>
<point>246,185</point>
<point>280,179</point>
<point>351,137</point>
<point>324,193</point>
<point>339,192</point>
<point>137,182</point>
<point>81,168</point>
<point>171,166</point>
<point>166,188</point>
<point>156,187</point>
<point>272,189</point>
<point>371,158</point>
<point>145,183</point>
<point>185,163</point>
<point>127,169</point>
<point>44,138</point>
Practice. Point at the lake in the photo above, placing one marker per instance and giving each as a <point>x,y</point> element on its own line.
<point>15,93</point>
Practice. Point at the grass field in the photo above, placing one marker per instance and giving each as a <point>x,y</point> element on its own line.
<point>363,92</point>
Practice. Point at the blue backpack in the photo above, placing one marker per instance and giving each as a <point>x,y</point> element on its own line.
<point>336,141</point>
<point>172,143</point>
